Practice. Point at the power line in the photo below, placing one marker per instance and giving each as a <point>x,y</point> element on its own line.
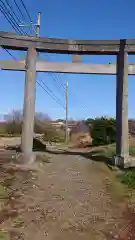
<point>12,10</point>
<point>46,90</point>
<point>15,25</point>
<point>10,54</point>
<point>55,82</point>
<point>19,9</point>
<point>26,10</point>
<point>12,21</point>
<point>50,95</point>
<point>55,79</point>
<point>54,97</point>
<point>72,94</point>
<point>49,90</point>
<point>7,18</point>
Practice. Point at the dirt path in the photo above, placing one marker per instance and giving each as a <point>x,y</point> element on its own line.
<point>70,197</point>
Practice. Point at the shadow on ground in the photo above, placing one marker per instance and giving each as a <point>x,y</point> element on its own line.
<point>37,146</point>
<point>95,155</point>
<point>98,155</point>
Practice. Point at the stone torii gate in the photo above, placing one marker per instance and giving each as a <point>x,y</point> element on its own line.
<point>120,48</point>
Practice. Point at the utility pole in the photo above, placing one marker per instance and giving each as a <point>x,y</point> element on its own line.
<point>37,25</point>
<point>38,28</point>
<point>66,111</point>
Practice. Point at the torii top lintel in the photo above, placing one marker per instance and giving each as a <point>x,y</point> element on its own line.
<point>53,45</point>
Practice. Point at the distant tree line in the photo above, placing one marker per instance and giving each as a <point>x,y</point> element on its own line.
<point>14,120</point>
<point>13,126</point>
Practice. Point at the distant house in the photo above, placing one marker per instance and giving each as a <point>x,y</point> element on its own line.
<point>57,123</point>
<point>62,124</point>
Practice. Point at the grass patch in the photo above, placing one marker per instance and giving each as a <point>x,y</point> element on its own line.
<point>3,192</point>
<point>109,151</point>
<point>106,154</point>
<point>128,178</point>
<point>132,151</point>
<point>4,235</point>
<point>18,222</point>
<point>3,196</point>
<point>120,191</point>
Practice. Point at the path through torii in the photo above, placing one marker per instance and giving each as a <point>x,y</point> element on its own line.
<point>120,48</point>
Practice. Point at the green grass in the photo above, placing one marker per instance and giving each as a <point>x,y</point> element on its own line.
<point>3,192</point>
<point>132,151</point>
<point>18,222</point>
<point>3,196</point>
<point>128,178</point>
<point>106,154</point>
<point>110,151</point>
<point>4,235</point>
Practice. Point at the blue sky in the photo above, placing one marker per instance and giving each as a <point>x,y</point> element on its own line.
<point>90,95</point>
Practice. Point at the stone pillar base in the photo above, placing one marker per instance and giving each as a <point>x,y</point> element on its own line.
<point>23,158</point>
<point>122,161</point>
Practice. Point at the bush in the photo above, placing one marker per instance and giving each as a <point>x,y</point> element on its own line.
<point>128,178</point>
<point>103,131</point>
<point>13,127</point>
<point>54,135</point>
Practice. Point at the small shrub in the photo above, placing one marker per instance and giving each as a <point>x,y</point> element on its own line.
<point>103,131</point>
<point>128,178</point>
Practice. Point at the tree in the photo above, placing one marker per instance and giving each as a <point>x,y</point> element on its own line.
<point>14,122</point>
<point>15,115</point>
<point>89,121</point>
<point>103,131</point>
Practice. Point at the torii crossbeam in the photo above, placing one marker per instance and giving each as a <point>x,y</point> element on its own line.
<point>60,67</point>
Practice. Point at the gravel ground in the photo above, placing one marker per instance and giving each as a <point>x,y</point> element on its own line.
<point>69,197</point>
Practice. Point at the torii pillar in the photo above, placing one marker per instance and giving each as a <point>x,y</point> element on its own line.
<point>29,107</point>
<point>122,138</point>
